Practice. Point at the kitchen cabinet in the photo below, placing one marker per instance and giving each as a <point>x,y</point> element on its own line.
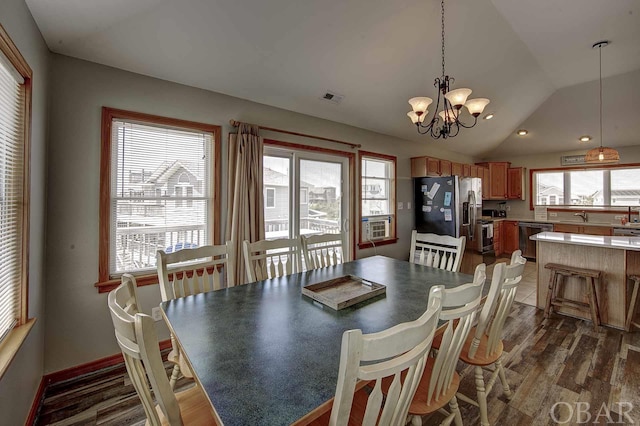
<point>466,170</point>
<point>497,237</point>
<point>515,183</point>
<point>433,167</point>
<point>497,180</point>
<point>475,171</point>
<point>457,169</point>
<point>510,238</point>
<point>583,229</point>
<point>445,168</point>
<point>485,183</point>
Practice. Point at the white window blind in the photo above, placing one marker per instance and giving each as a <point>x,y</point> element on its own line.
<point>161,192</point>
<point>12,116</point>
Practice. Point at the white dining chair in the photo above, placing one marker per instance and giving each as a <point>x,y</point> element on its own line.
<point>438,251</point>
<point>483,347</point>
<point>136,336</point>
<point>272,258</point>
<point>440,381</point>
<point>394,358</point>
<point>192,271</point>
<point>322,250</point>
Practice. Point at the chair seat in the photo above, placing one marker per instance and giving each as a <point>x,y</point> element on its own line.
<point>420,406</point>
<point>480,357</point>
<point>194,408</point>
<point>176,357</point>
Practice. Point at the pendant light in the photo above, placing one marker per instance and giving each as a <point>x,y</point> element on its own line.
<point>602,154</point>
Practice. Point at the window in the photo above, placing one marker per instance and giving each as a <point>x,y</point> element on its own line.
<point>15,101</point>
<point>313,187</point>
<point>617,185</point>
<point>378,193</point>
<point>158,184</point>
<point>270,198</point>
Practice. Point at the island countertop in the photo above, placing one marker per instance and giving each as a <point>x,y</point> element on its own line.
<point>612,242</point>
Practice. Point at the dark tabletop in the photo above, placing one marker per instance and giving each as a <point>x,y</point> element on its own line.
<point>267,355</point>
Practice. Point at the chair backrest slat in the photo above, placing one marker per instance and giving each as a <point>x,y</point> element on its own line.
<point>136,336</point>
<point>459,309</point>
<point>272,258</point>
<point>322,250</point>
<point>188,271</point>
<point>385,354</point>
<point>438,251</point>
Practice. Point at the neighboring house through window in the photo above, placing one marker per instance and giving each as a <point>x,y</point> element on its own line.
<point>270,198</point>
<point>15,128</point>
<point>171,164</point>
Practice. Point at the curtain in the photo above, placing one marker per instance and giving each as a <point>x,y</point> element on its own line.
<point>245,220</point>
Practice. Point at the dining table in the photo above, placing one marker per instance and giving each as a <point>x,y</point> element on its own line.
<point>265,354</point>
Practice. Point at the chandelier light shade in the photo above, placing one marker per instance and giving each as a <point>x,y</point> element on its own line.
<point>445,121</point>
<point>602,154</point>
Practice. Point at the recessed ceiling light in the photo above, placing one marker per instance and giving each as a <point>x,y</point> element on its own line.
<point>488,116</point>
<point>585,138</point>
<point>522,132</point>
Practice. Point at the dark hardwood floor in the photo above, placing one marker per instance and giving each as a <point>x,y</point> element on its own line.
<point>561,362</point>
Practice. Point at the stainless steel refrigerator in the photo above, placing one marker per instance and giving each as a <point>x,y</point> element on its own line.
<point>449,206</point>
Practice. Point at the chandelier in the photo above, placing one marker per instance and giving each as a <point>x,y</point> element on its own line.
<point>602,154</point>
<point>445,122</point>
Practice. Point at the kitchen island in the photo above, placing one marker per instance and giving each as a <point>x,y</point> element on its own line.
<point>616,256</point>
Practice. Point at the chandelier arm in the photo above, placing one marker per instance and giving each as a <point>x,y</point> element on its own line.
<point>457,125</point>
<point>475,121</point>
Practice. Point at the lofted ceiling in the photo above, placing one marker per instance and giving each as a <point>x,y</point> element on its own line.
<point>533,59</point>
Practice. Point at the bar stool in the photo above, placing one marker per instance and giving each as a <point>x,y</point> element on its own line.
<point>555,295</point>
<point>633,306</point>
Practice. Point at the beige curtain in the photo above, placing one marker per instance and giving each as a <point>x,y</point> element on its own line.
<point>245,220</point>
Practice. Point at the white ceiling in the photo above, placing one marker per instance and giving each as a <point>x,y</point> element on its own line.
<point>377,53</point>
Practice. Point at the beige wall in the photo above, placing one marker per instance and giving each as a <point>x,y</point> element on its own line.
<point>78,326</point>
<point>21,381</point>
<point>520,209</point>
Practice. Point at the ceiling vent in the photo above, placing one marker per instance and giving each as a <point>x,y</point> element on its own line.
<point>332,97</point>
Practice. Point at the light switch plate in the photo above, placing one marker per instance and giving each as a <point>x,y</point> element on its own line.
<point>408,205</point>
<point>553,214</point>
<point>156,314</point>
<point>400,205</point>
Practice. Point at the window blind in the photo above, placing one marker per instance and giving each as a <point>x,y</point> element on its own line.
<point>12,107</point>
<point>161,192</point>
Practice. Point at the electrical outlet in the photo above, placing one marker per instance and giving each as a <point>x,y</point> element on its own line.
<point>400,205</point>
<point>508,208</point>
<point>553,214</point>
<point>156,314</point>
<point>619,216</point>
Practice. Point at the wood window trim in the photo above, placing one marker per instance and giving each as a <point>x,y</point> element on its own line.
<point>577,168</point>
<point>351,157</point>
<point>16,337</point>
<point>105,282</point>
<point>392,239</point>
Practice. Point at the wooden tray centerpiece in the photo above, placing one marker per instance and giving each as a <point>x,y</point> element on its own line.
<point>343,291</point>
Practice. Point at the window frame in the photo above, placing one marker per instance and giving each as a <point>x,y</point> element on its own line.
<point>393,184</point>
<point>106,282</point>
<point>568,207</point>
<point>266,197</point>
<point>351,160</point>
<point>13,340</point>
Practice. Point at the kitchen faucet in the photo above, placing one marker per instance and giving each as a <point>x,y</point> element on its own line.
<point>582,214</point>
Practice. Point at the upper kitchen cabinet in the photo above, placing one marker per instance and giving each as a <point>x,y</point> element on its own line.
<point>497,180</point>
<point>457,169</point>
<point>515,183</point>
<point>485,183</point>
<point>429,166</point>
<point>445,168</point>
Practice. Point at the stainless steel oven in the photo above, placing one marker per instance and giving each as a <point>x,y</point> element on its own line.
<point>484,232</point>
<point>527,229</point>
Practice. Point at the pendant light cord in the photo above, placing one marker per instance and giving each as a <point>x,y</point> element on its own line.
<point>442,6</point>
<point>600,51</point>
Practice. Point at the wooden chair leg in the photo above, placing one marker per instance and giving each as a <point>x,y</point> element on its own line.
<point>455,410</point>
<point>596,303</point>
<point>632,306</point>
<point>481,394</point>
<point>503,379</point>
<point>550,296</point>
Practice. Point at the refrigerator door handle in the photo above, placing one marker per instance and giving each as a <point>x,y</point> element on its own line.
<point>472,214</point>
